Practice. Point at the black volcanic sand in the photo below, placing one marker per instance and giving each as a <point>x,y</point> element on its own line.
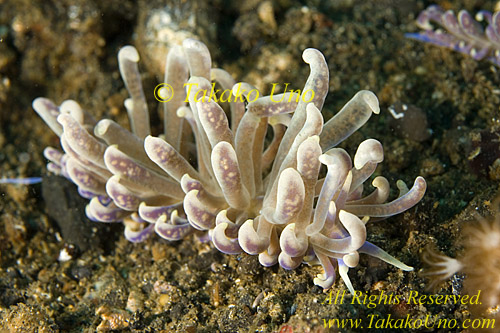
<point>63,51</point>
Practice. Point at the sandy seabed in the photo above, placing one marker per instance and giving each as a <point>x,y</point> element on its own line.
<point>63,51</point>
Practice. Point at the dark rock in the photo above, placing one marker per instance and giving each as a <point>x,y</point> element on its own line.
<point>67,208</point>
<point>80,272</point>
<point>409,122</point>
<point>484,152</point>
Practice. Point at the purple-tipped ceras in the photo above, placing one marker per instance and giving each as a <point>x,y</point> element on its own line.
<point>478,38</point>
